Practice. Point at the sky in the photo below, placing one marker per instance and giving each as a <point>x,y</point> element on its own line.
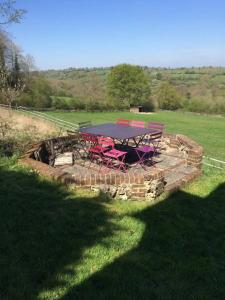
<point>100,33</point>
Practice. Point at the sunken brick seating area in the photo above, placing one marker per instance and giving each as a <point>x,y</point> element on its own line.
<point>178,163</point>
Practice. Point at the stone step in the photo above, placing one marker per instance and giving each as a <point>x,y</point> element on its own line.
<point>180,176</point>
<point>65,158</point>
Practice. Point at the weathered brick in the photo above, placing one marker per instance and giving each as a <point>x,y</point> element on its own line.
<point>87,180</point>
<point>138,194</point>
<point>136,186</point>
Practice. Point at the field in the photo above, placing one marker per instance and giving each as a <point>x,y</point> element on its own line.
<point>61,244</point>
<point>207,131</point>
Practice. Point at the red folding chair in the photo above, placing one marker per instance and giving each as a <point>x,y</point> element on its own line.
<point>123,122</point>
<point>139,124</point>
<point>90,142</point>
<point>106,142</point>
<point>89,139</point>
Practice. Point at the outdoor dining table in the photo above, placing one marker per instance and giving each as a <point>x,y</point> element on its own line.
<point>121,133</point>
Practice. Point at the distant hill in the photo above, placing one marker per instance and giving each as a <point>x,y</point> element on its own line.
<point>203,88</point>
<point>80,74</point>
<point>177,74</point>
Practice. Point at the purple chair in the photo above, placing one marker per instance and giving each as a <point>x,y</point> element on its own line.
<point>144,153</point>
<point>155,138</point>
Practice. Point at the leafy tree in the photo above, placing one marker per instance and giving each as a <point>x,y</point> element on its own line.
<point>38,93</point>
<point>168,97</point>
<point>93,89</point>
<point>128,84</point>
<point>16,75</point>
<point>2,51</point>
<point>11,83</point>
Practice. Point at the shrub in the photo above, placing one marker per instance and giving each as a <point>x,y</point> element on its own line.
<point>168,97</point>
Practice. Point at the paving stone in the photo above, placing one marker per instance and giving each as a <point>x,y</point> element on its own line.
<point>166,162</point>
<point>64,159</point>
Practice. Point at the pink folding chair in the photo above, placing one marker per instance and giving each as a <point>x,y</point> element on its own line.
<point>106,144</point>
<point>116,159</point>
<point>139,124</point>
<point>123,122</point>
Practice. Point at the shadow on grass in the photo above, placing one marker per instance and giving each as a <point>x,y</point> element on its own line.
<point>42,230</point>
<point>181,254</point>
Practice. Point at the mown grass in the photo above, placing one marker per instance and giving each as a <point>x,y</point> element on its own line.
<point>208,131</point>
<point>56,243</point>
<point>60,244</point>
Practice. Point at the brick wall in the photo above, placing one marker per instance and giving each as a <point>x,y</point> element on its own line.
<point>193,152</point>
<point>122,185</point>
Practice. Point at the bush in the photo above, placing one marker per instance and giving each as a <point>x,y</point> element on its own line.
<point>14,141</point>
<point>168,97</point>
<point>38,93</point>
<point>15,144</point>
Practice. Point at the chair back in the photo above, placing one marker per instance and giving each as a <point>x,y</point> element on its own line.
<point>84,124</point>
<point>87,137</point>
<point>139,124</point>
<point>156,126</point>
<point>106,142</point>
<point>122,122</point>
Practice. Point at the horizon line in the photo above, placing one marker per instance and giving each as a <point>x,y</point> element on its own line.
<point>142,66</point>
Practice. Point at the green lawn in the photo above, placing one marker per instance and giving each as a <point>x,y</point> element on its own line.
<point>59,244</point>
<point>208,131</point>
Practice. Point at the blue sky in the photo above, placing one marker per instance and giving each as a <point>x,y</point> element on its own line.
<point>88,33</point>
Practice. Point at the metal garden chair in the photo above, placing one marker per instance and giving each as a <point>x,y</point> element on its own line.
<point>145,153</point>
<point>155,138</point>
<point>123,122</point>
<point>116,159</point>
<point>139,124</point>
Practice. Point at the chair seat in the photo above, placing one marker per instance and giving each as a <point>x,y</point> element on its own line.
<point>115,153</point>
<point>145,149</point>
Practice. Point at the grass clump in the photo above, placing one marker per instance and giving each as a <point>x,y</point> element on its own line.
<point>18,132</point>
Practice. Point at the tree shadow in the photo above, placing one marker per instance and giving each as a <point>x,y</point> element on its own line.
<point>42,230</point>
<point>181,254</point>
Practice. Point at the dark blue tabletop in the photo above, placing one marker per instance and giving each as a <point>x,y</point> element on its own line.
<point>116,131</point>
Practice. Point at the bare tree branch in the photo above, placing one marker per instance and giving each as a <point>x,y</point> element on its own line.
<point>10,14</point>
